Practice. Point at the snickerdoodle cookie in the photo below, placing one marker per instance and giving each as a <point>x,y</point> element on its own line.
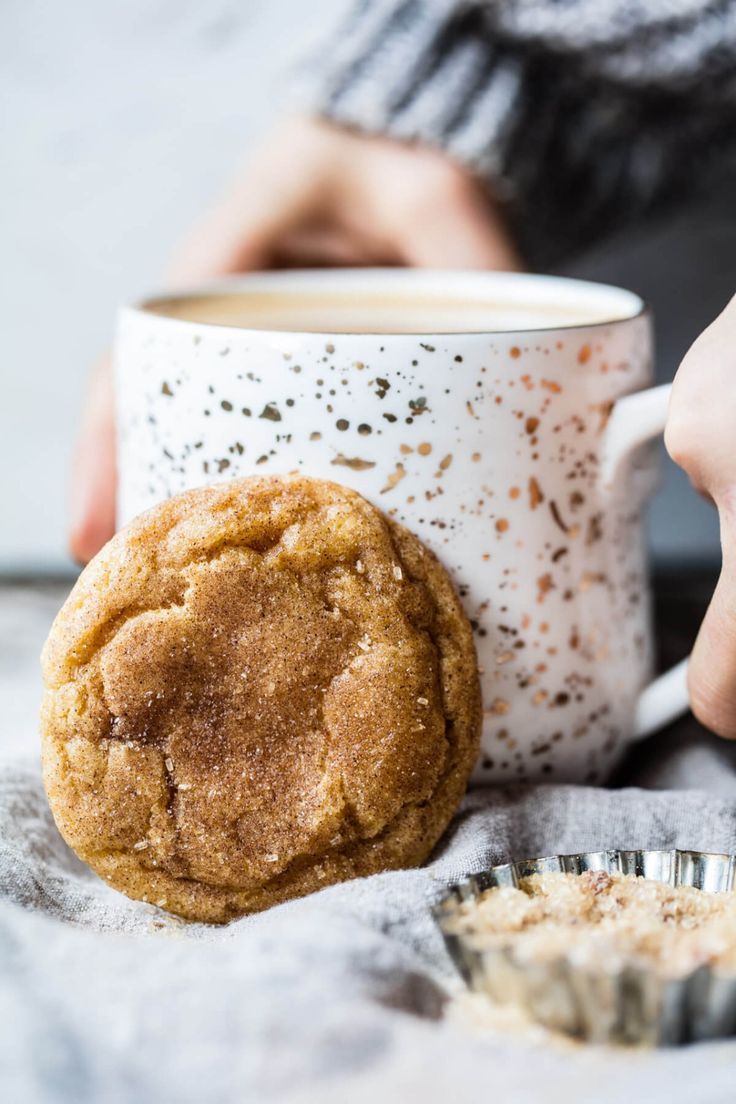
<point>255,690</point>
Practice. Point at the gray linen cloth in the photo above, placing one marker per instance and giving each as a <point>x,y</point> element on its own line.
<point>340,997</point>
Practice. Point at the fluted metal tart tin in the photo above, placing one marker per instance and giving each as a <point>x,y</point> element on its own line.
<point>631,1005</point>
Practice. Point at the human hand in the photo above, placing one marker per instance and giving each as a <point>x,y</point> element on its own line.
<point>700,438</point>
<point>315,194</point>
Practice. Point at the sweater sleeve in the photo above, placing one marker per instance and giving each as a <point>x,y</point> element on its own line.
<point>581,114</point>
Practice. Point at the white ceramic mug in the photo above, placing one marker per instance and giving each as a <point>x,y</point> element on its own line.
<point>510,435</point>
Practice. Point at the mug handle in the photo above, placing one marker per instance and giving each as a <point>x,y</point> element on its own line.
<point>635,419</point>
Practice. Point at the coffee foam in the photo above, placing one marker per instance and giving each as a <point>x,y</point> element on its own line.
<point>371,313</point>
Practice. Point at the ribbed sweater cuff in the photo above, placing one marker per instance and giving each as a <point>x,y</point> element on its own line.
<point>426,71</point>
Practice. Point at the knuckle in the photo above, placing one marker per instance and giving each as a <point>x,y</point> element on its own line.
<point>678,439</point>
<point>674,441</point>
<point>449,184</point>
<point>432,186</point>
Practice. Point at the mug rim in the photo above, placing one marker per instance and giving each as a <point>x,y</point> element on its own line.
<point>422,281</point>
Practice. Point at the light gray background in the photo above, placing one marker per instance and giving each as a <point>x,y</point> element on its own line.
<point>118,121</point>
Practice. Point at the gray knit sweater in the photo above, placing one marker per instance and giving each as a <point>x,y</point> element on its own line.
<point>582,114</point>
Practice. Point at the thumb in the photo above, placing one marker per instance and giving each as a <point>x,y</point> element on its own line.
<point>712,667</point>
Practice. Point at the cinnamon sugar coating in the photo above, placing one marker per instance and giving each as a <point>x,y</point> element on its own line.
<point>255,690</point>
<point>605,922</point>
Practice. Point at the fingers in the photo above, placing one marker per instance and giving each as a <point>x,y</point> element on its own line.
<point>699,437</point>
<point>93,471</point>
<point>231,238</point>
<point>712,668</point>
<point>431,211</point>
<point>283,187</point>
<point>699,431</point>
<point>280,243</point>
<point>315,194</point>
<point>380,201</point>
<point>324,247</point>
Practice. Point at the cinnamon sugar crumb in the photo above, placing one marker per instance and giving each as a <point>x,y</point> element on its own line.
<point>597,917</point>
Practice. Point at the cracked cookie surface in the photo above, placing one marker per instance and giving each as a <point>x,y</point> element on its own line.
<point>255,690</point>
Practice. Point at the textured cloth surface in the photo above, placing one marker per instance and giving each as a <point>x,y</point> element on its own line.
<point>337,996</point>
<point>583,114</point>
<point>342,996</point>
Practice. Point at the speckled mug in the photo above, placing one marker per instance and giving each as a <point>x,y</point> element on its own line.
<point>516,449</point>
